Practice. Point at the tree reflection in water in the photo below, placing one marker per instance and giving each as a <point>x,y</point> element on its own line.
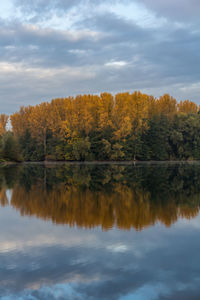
<point>104,195</point>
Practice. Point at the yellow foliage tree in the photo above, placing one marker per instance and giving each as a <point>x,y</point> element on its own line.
<point>3,122</point>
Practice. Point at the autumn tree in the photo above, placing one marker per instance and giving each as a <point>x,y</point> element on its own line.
<point>3,122</point>
<point>127,126</point>
<point>187,107</point>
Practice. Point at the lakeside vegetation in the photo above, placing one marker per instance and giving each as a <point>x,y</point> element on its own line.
<point>89,127</point>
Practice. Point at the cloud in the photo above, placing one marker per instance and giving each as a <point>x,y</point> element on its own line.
<point>116,64</point>
<point>45,7</point>
<point>59,292</point>
<point>36,46</point>
<point>62,5</point>
<point>179,10</point>
<point>94,50</point>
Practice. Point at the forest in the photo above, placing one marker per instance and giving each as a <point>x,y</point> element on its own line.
<point>124,127</point>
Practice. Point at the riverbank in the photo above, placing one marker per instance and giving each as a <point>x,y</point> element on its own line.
<point>101,162</point>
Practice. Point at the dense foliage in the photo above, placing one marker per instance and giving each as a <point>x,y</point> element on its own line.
<point>9,148</point>
<point>121,127</point>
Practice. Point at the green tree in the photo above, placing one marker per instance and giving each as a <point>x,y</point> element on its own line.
<point>11,148</point>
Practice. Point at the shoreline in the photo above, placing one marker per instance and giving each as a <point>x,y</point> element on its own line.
<point>138,162</point>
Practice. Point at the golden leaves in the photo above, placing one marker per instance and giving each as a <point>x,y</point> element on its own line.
<point>69,118</point>
<point>3,122</point>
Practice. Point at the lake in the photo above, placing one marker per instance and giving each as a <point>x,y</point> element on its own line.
<point>100,231</point>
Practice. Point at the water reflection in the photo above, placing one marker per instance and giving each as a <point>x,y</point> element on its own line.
<point>39,260</point>
<point>104,195</point>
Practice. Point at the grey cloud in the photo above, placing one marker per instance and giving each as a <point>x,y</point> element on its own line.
<point>116,28</point>
<point>179,10</point>
<point>45,47</point>
<point>38,46</point>
<point>177,55</point>
<point>44,9</point>
<point>48,63</point>
<point>171,54</point>
<point>45,6</point>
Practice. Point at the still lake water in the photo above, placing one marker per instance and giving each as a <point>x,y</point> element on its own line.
<point>100,232</point>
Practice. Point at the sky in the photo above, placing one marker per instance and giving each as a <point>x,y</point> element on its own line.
<point>58,48</point>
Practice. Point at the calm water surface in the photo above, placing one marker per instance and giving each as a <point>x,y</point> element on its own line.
<point>100,232</point>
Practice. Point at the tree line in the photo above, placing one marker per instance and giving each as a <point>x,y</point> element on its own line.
<point>126,126</point>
